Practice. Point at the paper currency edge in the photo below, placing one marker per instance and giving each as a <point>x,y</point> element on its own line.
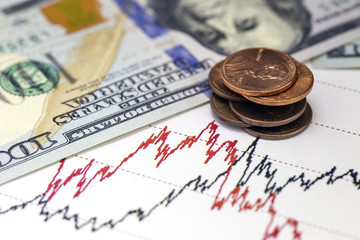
<point>72,146</point>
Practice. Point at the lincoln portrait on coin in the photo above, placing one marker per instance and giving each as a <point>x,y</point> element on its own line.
<point>226,26</point>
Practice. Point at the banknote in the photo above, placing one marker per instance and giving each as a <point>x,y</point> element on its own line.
<point>75,73</point>
<point>303,28</point>
<point>346,56</point>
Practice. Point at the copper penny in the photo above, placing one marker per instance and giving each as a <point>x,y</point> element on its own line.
<point>258,72</point>
<point>218,87</point>
<point>298,91</point>
<point>266,116</point>
<point>221,108</point>
<point>285,131</point>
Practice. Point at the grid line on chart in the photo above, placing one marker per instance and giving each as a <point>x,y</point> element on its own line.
<point>12,197</point>
<point>144,176</point>
<point>312,225</point>
<point>337,129</point>
<point>260,156</point>
<point>338,86</point>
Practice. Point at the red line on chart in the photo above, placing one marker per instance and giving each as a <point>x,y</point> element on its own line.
<point>239,199</point>
<point>163,153</point>
<point>240,167</point>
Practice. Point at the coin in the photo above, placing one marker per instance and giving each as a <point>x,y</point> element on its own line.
<point>285,131</point>
<point>298,91</point>
<point>221,108</point>
<point>258,72</point>
<point>266,116</point>
<point>218,87</point>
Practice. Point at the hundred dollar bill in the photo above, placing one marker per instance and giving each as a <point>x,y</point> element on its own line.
<point>346,56</point>
<point>75,73</point>
<point>303,28</point>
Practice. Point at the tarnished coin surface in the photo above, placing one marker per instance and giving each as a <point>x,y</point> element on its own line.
<point>285,131</point>
<point>267,116</point>
<point>258,72</point>
<point>218,87</point>
<point>221,108</point>
<point>298,91</point>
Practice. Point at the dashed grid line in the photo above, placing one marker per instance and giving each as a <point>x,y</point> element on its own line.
<point>256,155</point>
<point>338,86</point>
<point>337,129</point>
<point>312,225</point>
<point>319,227</point>
<point>315,226</point>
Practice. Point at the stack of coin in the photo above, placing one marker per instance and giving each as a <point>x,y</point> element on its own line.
<point>262,91</point>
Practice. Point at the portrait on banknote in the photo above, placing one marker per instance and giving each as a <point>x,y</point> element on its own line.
<point>225,26</point>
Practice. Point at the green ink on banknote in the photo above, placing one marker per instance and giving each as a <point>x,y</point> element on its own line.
<point>29,78</point>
